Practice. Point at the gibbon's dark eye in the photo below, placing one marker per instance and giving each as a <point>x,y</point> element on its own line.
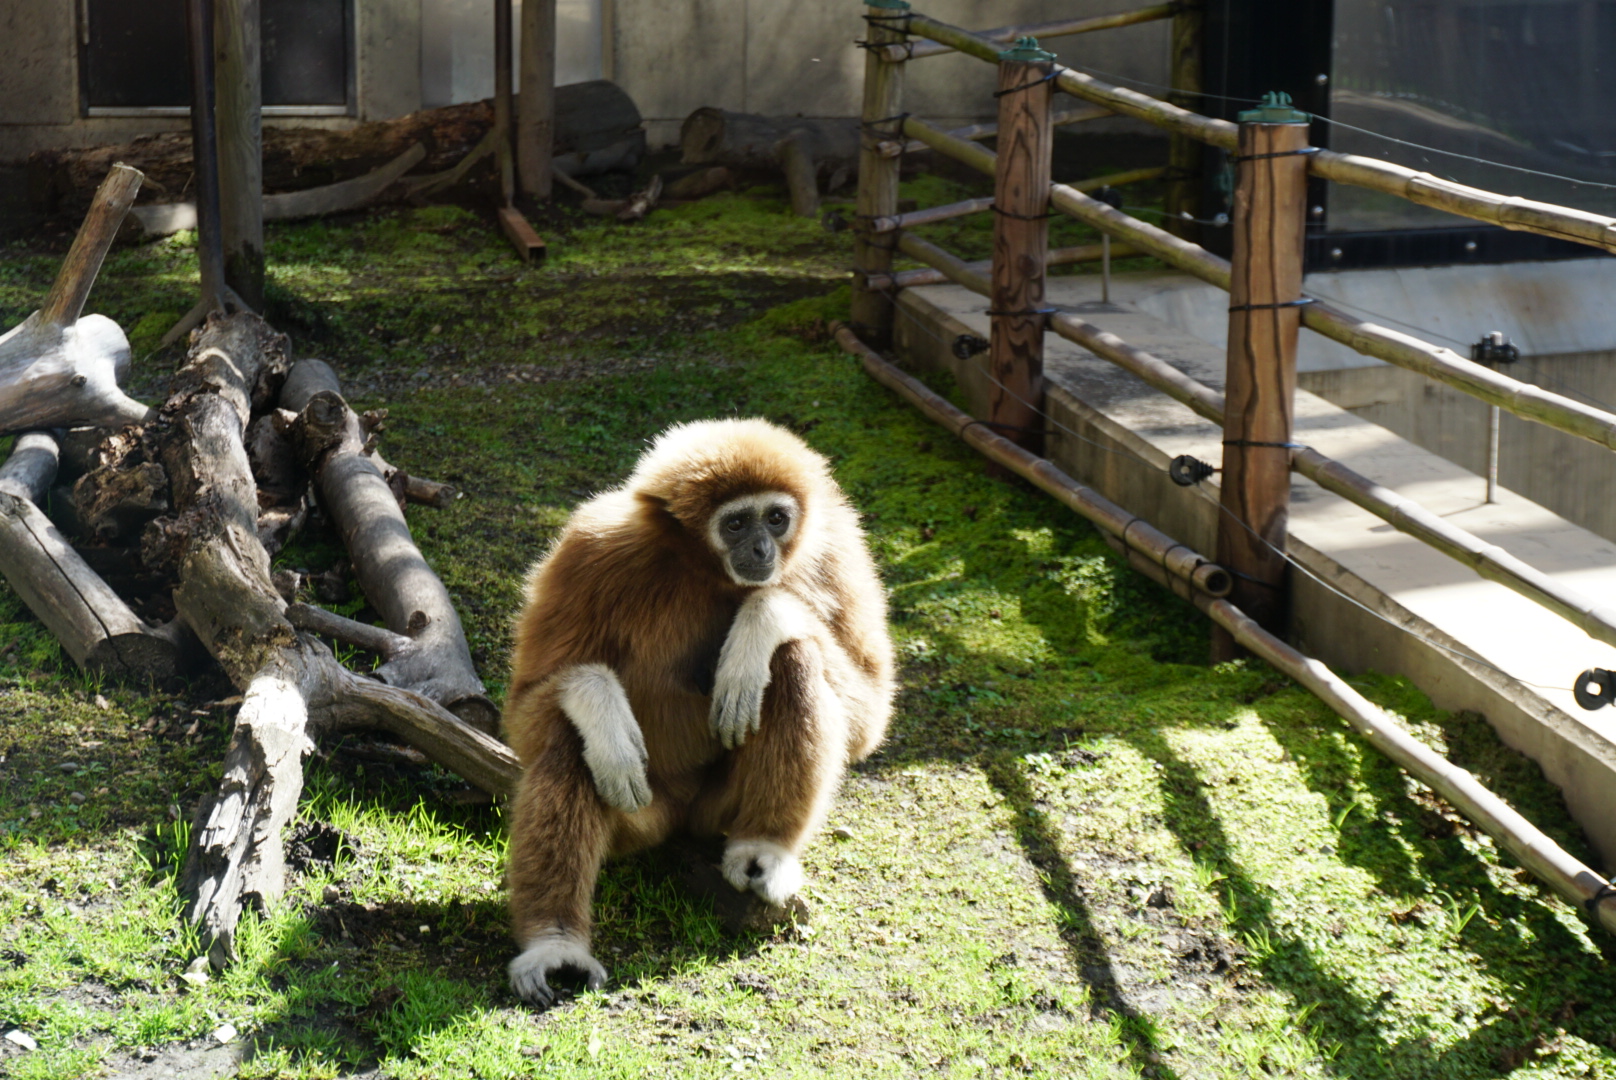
<point>778,518</point>
<point>733,524</point>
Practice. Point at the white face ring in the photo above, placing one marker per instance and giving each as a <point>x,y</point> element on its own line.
<point>760,504</point>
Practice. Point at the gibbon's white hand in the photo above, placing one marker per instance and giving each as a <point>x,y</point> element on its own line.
<point>768,619</point>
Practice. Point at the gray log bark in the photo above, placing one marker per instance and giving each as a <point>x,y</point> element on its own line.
<point>394,576</point>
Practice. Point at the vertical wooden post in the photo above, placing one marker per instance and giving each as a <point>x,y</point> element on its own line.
<point>535,113</point>
<point>239,96</point>
<point>1183,153</point>
<point>502,102</point>
<point>1021,242</point>
<point>1265,283</point>
<point>878,174</point>
<point>205,152</point>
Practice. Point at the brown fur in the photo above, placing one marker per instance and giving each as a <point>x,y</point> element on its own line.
<point>633,584</point>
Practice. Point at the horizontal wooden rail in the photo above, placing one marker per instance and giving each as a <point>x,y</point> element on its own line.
<point>1135,533</point>
<point>1041,31</point>
<point>1442,365</point>
<point>934,214</point>
<point>1422,188</point>
<point>1061,256</point>
<point>1575,882</point>
<point>1059,118</point>
<point>951,266</point>
<point>931,214</point>
<point>977,157</point>
<point>1488,560</point>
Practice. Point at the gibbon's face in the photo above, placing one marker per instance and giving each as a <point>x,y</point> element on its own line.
<point>749,532</point>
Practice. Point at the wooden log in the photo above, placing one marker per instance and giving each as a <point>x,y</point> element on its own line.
<point>746,141</point>
<point>795,154</point>
<point>60,370</point>
<point>1057,28</point>
<point>292,687</point>
<point>1020,243</point>
<point>391,571</point>
<point>94,625</point>
<point>1265,287</point>
<point>239,96</point>
<point>536,113</point>
<point>383,642</point>
<point>640,203</point>
<point>873,312</point>
<point>1183,201</point>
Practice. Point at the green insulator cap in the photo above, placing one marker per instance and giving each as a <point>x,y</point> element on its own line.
<point>1276,108</point>
<point>1026,48</point>
<point>889,5</point>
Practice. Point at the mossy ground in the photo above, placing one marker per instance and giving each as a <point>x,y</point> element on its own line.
<point>1082,852</point>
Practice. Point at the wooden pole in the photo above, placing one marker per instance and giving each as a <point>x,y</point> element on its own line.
<point>1021,243</point>
<point>205,151</point>
<point>535,114</point>
<point>502,102</point>
<point>878,174</point>
<point>239,91</point>
<point>1265,283</point>
<point>1184,153</point>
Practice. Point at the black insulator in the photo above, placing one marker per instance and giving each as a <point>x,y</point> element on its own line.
<point>968,345</point>
<point>1187,471</point>
<point>1494,348</point>
<point>1594,688</point>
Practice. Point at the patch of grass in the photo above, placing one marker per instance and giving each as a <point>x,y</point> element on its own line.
<point>1082,853</point>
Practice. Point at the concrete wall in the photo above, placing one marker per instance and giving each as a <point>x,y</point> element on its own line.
<point>39,78</point>
<point>672,56</point>
<point>797,59</point>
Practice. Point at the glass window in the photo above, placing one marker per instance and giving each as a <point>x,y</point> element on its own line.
<point>1528,84</point>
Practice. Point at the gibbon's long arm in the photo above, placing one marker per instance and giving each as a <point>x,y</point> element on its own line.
<point>593,698</point>
<point>768,619</point>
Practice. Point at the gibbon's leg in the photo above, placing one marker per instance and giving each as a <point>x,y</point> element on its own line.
<point>614,749</point>
<point>560,832</point>
<point>780,783</point>
<point>767,619</point>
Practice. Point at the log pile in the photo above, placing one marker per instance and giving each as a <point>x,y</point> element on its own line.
<point>189,500</point>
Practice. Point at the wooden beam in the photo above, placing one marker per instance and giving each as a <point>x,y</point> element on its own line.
<point>1265,320</point>
<point>878,173</point>
<point>1021,244</point>
<point>1183,202</point>
<point>535,114</point>
<point>239,94</point>
<point>528,244</point>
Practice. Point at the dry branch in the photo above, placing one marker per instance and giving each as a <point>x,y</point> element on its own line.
<point>57,369</point>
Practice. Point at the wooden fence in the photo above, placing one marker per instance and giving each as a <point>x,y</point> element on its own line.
<point>1267,309</point>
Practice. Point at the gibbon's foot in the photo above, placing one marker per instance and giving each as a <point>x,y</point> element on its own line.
<point>548,952</point>
<point>614,747</point>
<point>764,867</point>
<point>768,619</point>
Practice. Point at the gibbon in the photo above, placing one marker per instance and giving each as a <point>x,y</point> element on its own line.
<point>704,648</point>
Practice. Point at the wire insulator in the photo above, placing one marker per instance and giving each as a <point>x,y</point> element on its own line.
<point>1187,471</point>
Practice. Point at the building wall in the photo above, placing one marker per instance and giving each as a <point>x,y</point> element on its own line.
<point>39,77</point>
<point>672,56</point>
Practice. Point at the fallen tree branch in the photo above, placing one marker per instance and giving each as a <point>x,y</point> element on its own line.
<point>60,370</point>
<point>394,576</point>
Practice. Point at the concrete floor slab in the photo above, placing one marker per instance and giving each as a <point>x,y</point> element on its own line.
<point>1365,596</point>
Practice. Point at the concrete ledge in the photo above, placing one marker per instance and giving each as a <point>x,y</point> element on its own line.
<point>1371,598</point>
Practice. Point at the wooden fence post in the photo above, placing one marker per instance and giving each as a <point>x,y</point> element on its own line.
<point>878,173</point>
<point>239,112</point>
<point>535,111</point>
<point>1021,242</point>
<point>504,162</point>
<point>1265,317</point>
<point>1183,194</point>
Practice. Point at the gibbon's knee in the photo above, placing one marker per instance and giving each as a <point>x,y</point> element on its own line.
<point>768,619</point>
<point>593,699</point>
